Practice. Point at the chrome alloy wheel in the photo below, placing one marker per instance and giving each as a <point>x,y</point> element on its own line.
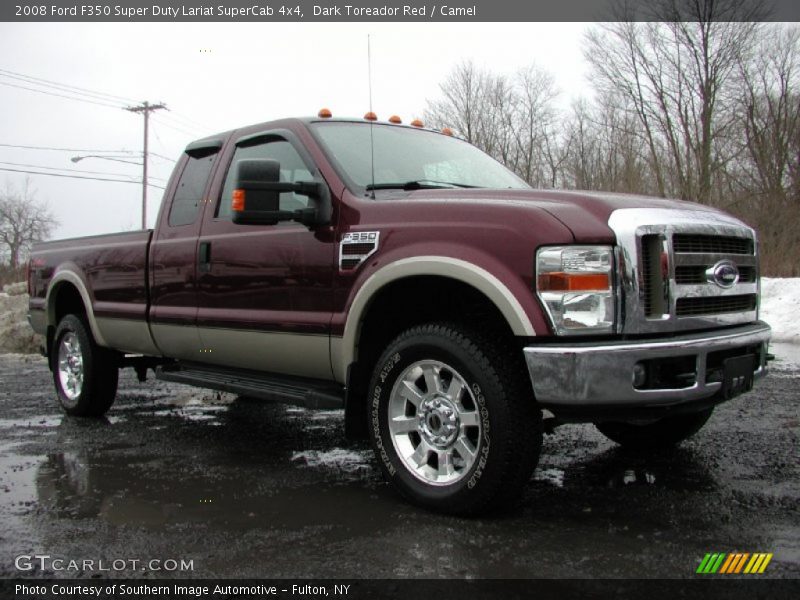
<point>434,422</point>
<point>70,366</point>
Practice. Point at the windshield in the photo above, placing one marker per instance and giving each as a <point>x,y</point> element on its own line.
<point>409,158</point>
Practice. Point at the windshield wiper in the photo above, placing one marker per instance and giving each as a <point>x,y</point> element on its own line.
<point>418,184</point>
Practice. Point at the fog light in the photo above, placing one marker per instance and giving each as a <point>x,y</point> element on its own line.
<point>639,375</point>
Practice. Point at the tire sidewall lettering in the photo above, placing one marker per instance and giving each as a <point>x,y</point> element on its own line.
<point>375,420</point>
<point>486,439</point>
<point>376,425</point>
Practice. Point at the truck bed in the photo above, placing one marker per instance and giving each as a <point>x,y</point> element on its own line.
<point>112,269</point>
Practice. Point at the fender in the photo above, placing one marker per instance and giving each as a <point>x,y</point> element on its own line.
<point>343,350</point>
<point>72,277</point>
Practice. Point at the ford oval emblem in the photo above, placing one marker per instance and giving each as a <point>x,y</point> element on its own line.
<point>725,274</point>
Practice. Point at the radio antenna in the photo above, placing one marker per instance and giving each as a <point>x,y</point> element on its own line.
<point>371,138</point>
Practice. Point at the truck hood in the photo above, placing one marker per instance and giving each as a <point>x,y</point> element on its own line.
<point>585,214</point>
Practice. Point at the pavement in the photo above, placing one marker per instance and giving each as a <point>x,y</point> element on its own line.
<point>181,482</point>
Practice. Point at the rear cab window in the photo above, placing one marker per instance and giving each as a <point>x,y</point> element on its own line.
<point>189,195</point>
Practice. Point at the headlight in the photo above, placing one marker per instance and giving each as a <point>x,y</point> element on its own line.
<point>576,286</point>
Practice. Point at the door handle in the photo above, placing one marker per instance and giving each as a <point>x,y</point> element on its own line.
<point>204,257</point>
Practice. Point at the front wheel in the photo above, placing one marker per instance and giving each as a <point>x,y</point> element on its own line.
<point>453,421</point>
<point>84,373</point>
<point>663,433</point>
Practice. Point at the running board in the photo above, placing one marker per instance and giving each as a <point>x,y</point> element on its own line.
<point>309,393</point>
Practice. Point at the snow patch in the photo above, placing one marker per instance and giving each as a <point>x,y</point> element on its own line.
<point>15,289</point>
<point>349,461</point>
<point>780,307</point>
<point>40,421</point>
<point>16,334</point>
<point>552,476</point>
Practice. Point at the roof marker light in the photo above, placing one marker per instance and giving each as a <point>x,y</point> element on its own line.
<point>371,116</point>
<point>324,113</point>
<point>447,131</point>
<point>417,123</point>
<point>395,119</point>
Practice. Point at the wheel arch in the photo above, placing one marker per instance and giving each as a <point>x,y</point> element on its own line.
<point>392,300</point>
<point>66,293</point>
<point>444,267</point>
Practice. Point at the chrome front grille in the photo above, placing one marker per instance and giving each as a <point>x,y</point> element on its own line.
<point>654,277</point>
<point>687,243</point>
<point>684,269</point>
<point>689,274</point>
<point>715,305</point>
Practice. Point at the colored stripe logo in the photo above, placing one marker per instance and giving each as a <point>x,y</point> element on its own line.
<point>734,563</point>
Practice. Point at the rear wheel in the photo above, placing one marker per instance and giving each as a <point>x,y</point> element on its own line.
<point>453,421</point>
<point>663,433</point>
<point>84,373</point>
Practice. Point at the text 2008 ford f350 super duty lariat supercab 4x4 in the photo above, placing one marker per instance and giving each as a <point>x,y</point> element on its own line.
<point>406,276</point>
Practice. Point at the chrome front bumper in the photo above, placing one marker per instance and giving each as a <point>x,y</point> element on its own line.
<point>585,374</point>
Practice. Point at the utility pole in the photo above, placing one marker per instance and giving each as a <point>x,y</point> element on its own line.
<point>145,108</point>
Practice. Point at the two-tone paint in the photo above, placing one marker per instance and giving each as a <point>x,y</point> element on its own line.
<point>275,298</point>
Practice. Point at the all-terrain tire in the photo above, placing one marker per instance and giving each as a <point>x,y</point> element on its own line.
<point>85,374</point>
<point>663,433</point>
<point>452,419</point>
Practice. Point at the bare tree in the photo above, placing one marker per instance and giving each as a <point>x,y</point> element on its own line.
<point>679,74</point>
<point>606,148</point>
<point>23,221</point>
<point>766,178</point>
<point>510,118</point>
<point>463,106</point>
<point>769,109</point>
<point>532,122</point>
<point>697,99</point>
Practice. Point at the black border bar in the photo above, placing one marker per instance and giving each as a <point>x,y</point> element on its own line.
<point>706,588</point>
<point>416,11</point>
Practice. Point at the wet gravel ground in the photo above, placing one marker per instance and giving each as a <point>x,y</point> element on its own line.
<point>248,489</point>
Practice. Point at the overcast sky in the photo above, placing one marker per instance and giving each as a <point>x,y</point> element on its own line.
<point>216,77</point>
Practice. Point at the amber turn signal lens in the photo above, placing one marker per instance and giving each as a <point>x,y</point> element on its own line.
<point>324,113</point>
<point>573,282</point>
<point>237,200</point>
<point>395,119</point>
<point>416,123</point>
<point>371,116</point>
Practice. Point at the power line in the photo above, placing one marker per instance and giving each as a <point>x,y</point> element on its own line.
<point>180,123</point>
<point>63,89</point>
<point>13,164</point>
<point>158,140</point>
<point>66,86</point>
<point>22,87</point>
<point>87,95</point>
<point>78,94</point>
<point>161,156</point>
<point>186,119</point>
<point>85,150</point>
<point>69,149</point>
<point>183,122</point>
<point>174,128</point>
<point>77,177</point>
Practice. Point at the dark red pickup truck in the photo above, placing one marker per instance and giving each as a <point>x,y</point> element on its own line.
<point>400,273</point>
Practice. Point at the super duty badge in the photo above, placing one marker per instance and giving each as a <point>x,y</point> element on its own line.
<point>356,247</point>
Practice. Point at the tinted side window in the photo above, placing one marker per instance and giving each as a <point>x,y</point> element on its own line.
<point>189,194</point>
<point>292,169</point>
